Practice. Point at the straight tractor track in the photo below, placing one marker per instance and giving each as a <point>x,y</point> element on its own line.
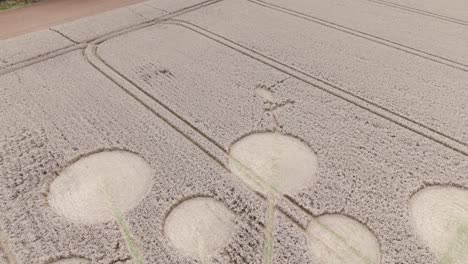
<point>421,12</point>
<point>370,37</point>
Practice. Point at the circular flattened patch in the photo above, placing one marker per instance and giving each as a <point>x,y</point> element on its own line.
<point>98,186</point>
<point>199,226</point>
<point>275,161</point>
<point>440,216</point>
<point>337,239</point>
<point>71,261</point>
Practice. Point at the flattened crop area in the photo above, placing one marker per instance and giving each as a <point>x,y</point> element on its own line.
<point>240,132</point>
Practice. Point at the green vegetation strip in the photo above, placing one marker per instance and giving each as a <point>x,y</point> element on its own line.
<point>458,248</point>
<point>4,5</point>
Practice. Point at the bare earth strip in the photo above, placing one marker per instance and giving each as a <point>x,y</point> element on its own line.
<point>48,13</point>
<point>368,166</point>
<point>90,28</point>
<point>20,50</point>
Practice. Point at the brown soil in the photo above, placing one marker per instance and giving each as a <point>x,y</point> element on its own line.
<point>44,14</point>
